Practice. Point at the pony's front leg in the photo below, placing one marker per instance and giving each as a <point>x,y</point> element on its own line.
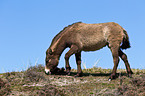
<point>67,66</point>
<point>78,61</point>
<point>72,51</point>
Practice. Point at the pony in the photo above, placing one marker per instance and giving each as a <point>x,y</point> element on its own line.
<point>88,37</point>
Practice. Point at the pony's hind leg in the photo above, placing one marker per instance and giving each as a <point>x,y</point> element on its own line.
<point>123,56</point>
<point>115,55</point>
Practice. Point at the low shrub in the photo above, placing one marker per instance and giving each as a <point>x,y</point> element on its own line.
<point>34,74</point>
<point>135,88</point>
<point>49,90</point>
<point>4,88</point>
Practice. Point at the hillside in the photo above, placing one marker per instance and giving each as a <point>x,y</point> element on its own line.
<point>34,82</point>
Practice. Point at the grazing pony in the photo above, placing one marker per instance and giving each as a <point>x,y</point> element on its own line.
<point>88,37</point>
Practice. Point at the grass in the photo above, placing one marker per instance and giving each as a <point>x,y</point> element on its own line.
<point>94,82</point>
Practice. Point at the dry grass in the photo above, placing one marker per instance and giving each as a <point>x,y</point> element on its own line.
<point>4,88</point>
<point>94,82</point>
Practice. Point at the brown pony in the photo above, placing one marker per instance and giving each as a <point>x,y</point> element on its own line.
<point>88,37</point>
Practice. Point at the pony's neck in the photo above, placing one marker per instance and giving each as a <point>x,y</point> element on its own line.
<point>58,49</point>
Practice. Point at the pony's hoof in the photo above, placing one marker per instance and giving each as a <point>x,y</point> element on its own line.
<point>112,77</point>
<point>109,79</point>
<point>131,72</point>
<point>68,73</point>
<point>130,75</point>
<point>78,75</point>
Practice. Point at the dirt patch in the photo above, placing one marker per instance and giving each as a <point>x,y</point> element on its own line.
<point>135,87</point>
<point>94,82</point>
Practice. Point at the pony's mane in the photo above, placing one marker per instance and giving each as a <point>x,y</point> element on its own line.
<point>62,32</point>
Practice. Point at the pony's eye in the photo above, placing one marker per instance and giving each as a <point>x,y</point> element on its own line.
<point>47,61</point>
<point>50,52</point>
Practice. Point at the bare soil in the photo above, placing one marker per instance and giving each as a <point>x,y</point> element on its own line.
<point>94,82</point>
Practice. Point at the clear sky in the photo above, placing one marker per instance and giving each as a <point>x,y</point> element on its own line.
<point>28,26</point>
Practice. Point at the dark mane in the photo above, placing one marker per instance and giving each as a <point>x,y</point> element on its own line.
<point>62,32</point>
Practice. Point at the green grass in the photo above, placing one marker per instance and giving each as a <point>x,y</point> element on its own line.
<point>94,82</point>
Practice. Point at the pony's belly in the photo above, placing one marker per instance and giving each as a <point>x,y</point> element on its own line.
<point>94,46</point>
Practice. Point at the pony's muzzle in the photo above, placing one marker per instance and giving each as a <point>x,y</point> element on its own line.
<point>47,71</point>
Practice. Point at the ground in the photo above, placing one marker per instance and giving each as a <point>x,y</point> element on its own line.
<point>94,82</point>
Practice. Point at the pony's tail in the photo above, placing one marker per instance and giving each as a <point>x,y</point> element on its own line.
<point>125,42</point>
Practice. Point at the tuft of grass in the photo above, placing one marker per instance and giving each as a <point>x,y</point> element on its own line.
<point>84,65</point>
<point>34,74</point>
<point>96,63</point>
<point>97,70</point>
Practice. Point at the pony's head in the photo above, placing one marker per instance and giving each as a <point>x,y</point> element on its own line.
<point>51,62</point>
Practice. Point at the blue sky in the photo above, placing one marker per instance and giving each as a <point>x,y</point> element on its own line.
<point>28,26</point>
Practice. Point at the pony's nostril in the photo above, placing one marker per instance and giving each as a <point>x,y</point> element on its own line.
<point>47,73</point>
